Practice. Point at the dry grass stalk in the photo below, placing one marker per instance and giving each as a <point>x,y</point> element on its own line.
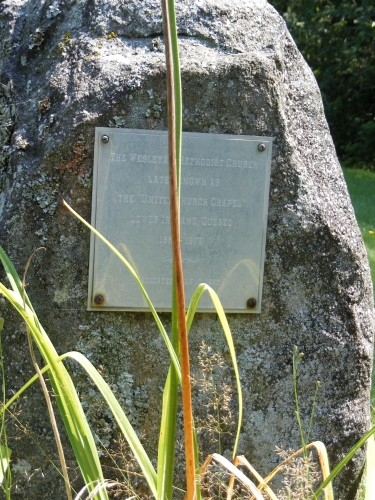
<point>174,154</point>
<point>323,462</point>
<point>239,475</point>
<point>300,475</point>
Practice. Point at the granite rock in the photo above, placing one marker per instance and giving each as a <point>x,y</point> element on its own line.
<point>67,67</point>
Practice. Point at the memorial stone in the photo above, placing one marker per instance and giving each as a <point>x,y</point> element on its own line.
<point>69,67</point>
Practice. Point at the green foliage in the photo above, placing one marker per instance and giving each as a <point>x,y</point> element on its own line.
<point>161,485</point>
<point>70,408</point>
<point>337,38</point>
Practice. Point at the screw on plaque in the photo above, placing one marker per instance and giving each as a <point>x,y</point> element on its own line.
<point>99,299</point>
<point>261,147</point>
<point>251,303</point>
<point>105,139</point>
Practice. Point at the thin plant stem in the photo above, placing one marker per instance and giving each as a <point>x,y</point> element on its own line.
<point>296,359</point>
<point>313,410</point>
<point>174,154</point>
<point>3,434</point>
<point>51,413</point>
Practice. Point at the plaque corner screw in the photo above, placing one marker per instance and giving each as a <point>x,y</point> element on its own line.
<point>99,299</point>
<point>251,303</point>
<point>261,147</point>
<point>105,139</point>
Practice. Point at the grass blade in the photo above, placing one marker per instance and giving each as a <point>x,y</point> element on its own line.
<point>241,460</point>
<point>164,334</point>
<point>240,476</point>
<point>344,461</point>
<point>167,438</point>
<point>5,454</point>
<point>67,399</point>
<point>121,419</point>
<point>370,469</point>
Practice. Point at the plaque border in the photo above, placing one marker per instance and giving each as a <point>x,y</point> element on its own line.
<point>99,131</point>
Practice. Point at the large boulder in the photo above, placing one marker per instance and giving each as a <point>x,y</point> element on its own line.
<point>67,67</point>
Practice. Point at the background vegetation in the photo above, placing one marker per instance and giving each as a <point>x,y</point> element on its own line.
<point>361,185</point>
<point>337,39</point>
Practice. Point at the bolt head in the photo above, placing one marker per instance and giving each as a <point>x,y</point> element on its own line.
<point>261,147</point>
<point>251,303</point>
<point>105,139</point>
<point>99,299</point>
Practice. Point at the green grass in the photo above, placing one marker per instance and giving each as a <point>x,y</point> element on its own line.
<point>361,186</point>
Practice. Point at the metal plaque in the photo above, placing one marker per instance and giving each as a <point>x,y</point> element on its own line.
<point>224,204</point>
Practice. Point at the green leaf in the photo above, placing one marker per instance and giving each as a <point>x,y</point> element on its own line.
<point>5,454</point>
<point>70,408</point>
<point>344,461</point>
<point>370,469</point>
<point>164,334</point>
<point>167,437</point>
<point>121,419</point>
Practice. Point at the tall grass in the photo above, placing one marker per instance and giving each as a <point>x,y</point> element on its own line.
<point>67,399</point>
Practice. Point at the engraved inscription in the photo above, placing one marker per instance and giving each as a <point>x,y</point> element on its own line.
<point>209,221</point>
<point>154,200</point>
<point>161,179</point>
<point>168,281</point>
<point>194,181</point>
<point>125,198</point>
<point>215,202</point>
<point>198,162</point>
<point>167,240</point>
<point>149,219</point>
<point>197,202</point>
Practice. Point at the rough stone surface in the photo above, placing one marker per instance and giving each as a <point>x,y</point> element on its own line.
<point>69,66</point>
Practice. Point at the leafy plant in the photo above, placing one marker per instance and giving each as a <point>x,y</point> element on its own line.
<point>337,38</point>
<point>67,399</point>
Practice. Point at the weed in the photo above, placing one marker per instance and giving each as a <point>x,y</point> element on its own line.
<point>215,395</point>
<point>301,475</point>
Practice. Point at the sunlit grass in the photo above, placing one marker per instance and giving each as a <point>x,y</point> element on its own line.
<point>361,186</point>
